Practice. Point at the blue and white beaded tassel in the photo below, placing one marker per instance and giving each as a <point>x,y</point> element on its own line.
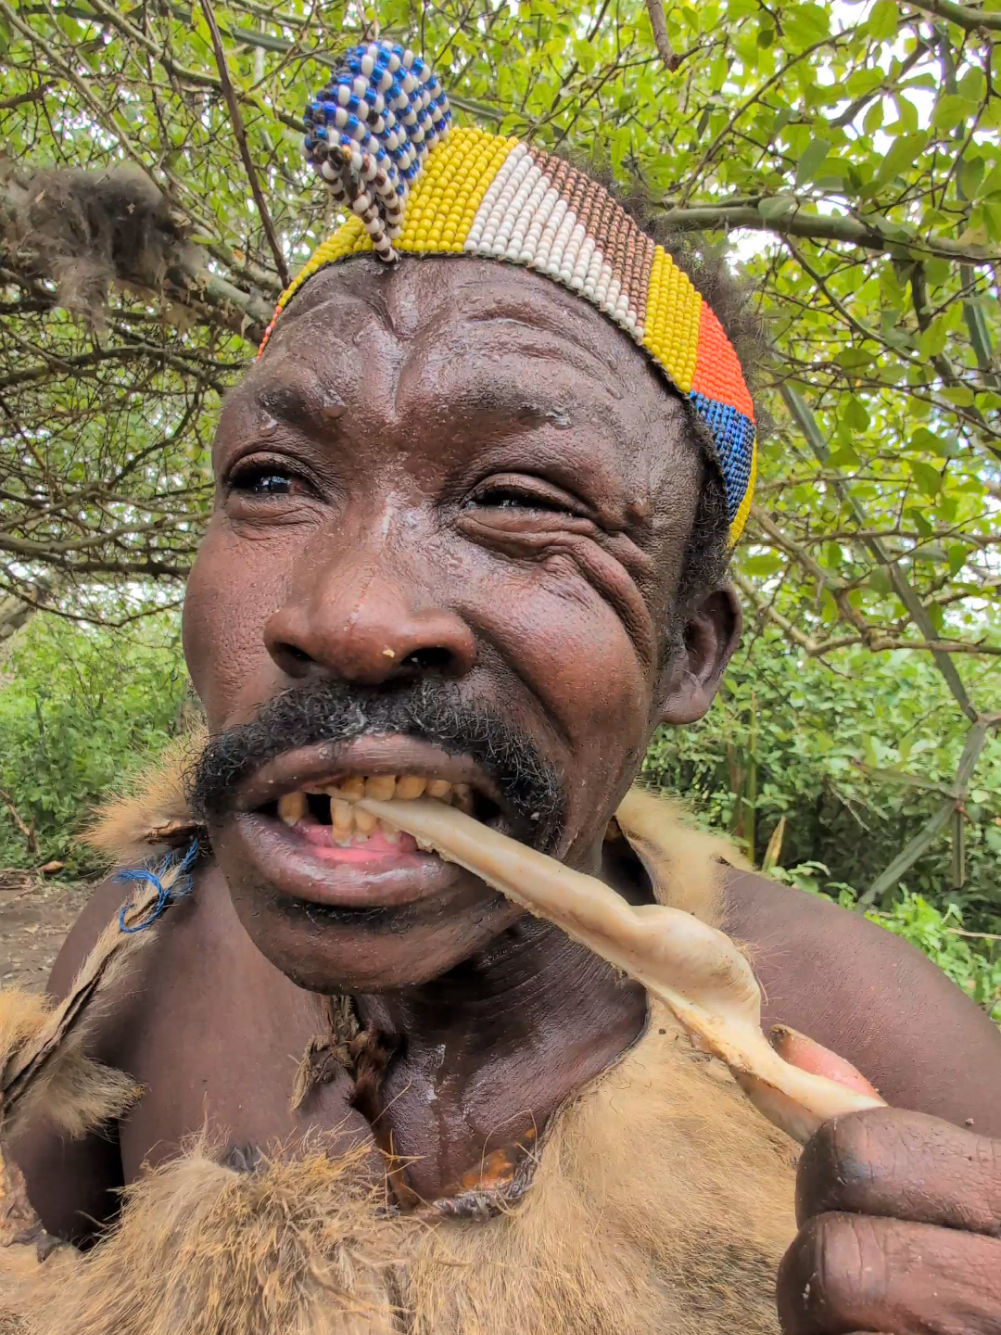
<point>370,132</point>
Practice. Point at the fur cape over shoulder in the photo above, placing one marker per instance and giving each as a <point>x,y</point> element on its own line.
<point>660,1202</point>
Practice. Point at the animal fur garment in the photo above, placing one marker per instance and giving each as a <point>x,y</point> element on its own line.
<point>45,1071</point>
<point>660,1204</point>
<point>154,815</point>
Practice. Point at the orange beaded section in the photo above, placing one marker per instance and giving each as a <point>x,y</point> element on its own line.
<point>717,371</point>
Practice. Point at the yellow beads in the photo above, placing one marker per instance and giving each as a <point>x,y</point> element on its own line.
<point>740,518</point>
<point>443,203</point>
<point>671,323</point>
<point>349,239</point>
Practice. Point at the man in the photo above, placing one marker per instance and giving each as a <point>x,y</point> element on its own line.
<point>470,538</point>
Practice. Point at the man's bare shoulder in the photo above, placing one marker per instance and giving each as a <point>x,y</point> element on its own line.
<point>166,936</point>
<point>873,998</point>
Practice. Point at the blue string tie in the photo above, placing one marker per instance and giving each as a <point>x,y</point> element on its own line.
<point>165,895</point>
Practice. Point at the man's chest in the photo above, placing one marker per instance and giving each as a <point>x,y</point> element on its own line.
<point>220,1041</point>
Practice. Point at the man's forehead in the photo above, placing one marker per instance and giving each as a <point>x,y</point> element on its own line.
<point>464,303</point>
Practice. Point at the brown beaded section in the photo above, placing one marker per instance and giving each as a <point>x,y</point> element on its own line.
<point>644,264</point>
<point>628,251</point>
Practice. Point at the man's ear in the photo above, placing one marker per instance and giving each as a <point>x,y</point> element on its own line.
<point>691,678</point>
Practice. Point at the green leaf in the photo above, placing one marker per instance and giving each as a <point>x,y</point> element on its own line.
<point>957,557</point>
<point>873,117</point>
<point>951,111</point>
<point>856,414</point>
<point>902,153</point>
<point>923,439</point>
<point>934,339</point>
<point>811,159</point>
<point>883,20</point>
<point>927,478</point>
<point>958,395</point>
<point>806,24</point>
<point>762,564</point>
<point>972,85</point>
<point>920,521</point>
<point>776,207</point>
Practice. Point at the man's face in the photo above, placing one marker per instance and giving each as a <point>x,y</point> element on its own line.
<point>452,507</point>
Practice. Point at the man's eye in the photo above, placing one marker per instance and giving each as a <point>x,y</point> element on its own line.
<point>503,498</point>
<point>271,484</point>
<point>265,481</point>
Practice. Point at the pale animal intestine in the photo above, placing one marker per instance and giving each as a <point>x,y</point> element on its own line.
<point>697,971</point>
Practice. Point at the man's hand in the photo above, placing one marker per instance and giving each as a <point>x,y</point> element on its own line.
<point>900,1230</point>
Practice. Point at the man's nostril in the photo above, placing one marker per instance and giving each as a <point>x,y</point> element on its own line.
<point>428,659</point>
<point>295,653</point>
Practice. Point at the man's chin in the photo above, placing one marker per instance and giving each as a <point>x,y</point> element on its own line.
<point>369,924</point>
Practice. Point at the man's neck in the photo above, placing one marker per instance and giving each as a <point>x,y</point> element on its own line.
<point>481,1057</point>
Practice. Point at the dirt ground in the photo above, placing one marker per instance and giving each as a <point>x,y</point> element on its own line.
<point>35,915</point>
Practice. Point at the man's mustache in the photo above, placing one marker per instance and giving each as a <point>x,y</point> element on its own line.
<point>432,710</point>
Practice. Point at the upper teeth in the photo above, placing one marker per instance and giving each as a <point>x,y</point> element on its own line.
<point>347,821</point>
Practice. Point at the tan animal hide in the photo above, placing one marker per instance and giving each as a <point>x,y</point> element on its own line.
<point>661,1205</point>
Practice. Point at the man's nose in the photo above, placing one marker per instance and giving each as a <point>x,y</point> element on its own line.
<point>367,627</point>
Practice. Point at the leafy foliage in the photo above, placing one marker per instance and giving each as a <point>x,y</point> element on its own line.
<point>852,761</point>
<point>79,707</point>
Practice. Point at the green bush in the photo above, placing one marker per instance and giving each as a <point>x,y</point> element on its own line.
<point>78,708</point>
<point>853,757</point>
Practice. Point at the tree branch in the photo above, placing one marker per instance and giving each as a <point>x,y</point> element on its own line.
<point>853,108</point>
<point>241,140</point>
<point>814,437</point>
<point>965,16</point>
<point>660,38</point>
<point>976,739</point>
<point>818,227</point>
<point>35,95</point>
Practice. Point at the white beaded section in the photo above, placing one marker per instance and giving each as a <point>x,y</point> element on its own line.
<point>524,220</point>
<point>492,195</point>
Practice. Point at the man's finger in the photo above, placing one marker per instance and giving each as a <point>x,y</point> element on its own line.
<point>852,1273</point>
<point>903,1165</point>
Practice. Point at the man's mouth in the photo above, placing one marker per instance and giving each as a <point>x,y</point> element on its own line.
<point>297,820</point>
<point>325,814</point>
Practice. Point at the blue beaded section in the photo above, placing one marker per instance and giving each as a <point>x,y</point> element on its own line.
<point>733,433</point>
<point>383,101</point>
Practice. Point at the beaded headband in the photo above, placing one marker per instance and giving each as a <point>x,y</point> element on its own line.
<point>380,137</point>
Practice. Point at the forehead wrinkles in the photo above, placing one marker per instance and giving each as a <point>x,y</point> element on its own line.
<point>420,296</point>
<point>436,309</point>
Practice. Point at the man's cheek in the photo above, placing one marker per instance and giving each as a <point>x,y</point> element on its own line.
<point>573,652</point>
<point>226,605</point>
